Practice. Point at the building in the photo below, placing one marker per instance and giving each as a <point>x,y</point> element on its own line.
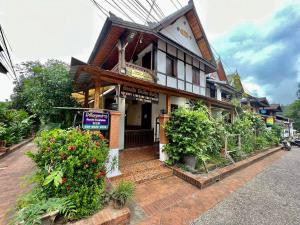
<point>145,71</point>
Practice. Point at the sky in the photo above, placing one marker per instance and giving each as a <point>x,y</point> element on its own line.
<point>258,39</point>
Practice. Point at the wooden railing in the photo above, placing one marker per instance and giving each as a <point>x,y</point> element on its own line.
<point>134,138</point>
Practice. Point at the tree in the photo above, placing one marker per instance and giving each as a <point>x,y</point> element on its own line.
<point>43,87</point>
<point>293,111</point>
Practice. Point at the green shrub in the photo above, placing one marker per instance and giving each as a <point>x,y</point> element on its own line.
<point>71,165</point>
<point>122,193</point>
<point>14,124</point>
<point>189,133</point>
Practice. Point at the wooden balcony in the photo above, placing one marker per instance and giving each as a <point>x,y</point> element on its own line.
<point>138,72</point>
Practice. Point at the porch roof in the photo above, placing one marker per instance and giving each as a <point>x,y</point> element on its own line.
<point>85,75</point>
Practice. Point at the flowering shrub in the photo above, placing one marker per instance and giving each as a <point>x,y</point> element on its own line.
<point>71,164</point>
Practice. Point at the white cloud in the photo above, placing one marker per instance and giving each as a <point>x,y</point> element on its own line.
<point>254,88</point>
<point>256,56</point>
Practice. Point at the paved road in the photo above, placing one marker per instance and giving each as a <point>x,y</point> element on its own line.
<point>13,168</point>
<point>272,197</point>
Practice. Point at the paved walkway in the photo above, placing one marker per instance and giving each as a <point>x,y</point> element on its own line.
<point>167,201</point>
<point>272,197</point>
<point>172,201</point>
<point>12,168</point>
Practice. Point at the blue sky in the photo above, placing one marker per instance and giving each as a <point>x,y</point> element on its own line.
<point>259,38</point>
<point>266,54</point>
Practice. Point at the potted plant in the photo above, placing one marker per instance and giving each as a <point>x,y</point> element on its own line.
<point>122,193</point>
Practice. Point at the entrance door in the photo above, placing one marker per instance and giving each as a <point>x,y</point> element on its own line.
<point>146,116</point>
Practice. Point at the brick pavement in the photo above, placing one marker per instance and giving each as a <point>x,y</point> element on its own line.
<point>172,201</point>
<point>13,168</point>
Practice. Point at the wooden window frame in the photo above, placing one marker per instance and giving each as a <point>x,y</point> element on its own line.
<point>196,75</point>
<point>173,72</point>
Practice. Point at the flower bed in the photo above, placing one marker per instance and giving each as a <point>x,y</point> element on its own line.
<point>196,138</point>
<point>70,176</point>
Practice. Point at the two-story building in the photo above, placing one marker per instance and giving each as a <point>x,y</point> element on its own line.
<point>144,71</point>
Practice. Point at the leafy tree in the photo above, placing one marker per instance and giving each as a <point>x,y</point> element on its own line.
<point>293,111</point>
<point>43,87</point>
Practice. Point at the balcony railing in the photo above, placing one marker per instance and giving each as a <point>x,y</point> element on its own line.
<point>138,72</point>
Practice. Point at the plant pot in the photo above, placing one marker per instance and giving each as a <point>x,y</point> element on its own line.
<point>117,204</point>
<point>190,161</point>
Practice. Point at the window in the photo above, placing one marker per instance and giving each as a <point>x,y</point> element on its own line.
<point>196,76</point>
<point>171,69</point>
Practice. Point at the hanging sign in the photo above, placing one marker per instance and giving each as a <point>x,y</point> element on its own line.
<point>143,75</point>
<point>270,121</point>
<point>139,94</point>
<point>95,121</point>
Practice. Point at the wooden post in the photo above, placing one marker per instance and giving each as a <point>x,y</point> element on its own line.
<point>168,104</point>
<point>97,95</point>
<point>86,98</point>
<point>121,60</point>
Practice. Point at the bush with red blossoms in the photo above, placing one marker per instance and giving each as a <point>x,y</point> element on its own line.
<point>71,163</point>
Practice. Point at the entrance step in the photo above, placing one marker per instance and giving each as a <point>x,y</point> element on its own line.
<point>143,172</point>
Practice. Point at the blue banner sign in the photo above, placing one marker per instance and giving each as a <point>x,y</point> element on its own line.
<point>95,121</point>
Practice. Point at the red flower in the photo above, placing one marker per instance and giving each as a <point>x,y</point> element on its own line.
<point>72,148</point>
<point>94,160</point>
<point>100,174</point>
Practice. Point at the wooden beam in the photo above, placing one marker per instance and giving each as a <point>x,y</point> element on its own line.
<point>86,98</point>
<point>168,104</point>
<point>116,78</point>
<point>97,95</point>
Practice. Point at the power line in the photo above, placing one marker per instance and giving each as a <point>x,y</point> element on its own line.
<point>179,3</point>
<point>7,52</point>
<point>139,9</point>
<point>119,9</point>
<point>136,13</point>
<point>151,5</point>
<point>174,4</point>
<point>103,10</point>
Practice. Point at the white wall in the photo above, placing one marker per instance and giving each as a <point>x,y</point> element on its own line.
<point>180,32</point>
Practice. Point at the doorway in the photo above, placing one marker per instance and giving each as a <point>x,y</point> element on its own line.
<point>146,116</point>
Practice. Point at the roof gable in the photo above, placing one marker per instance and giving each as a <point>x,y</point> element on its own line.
<point>195,25</point>
<point>221,72</point>
<point>235,81</point>
<point>181,33</point>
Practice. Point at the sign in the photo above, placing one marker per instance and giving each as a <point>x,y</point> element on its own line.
<point>95,121</point>
<point>139,74</point>
<point>263,111</point>
<point>270,121</point>
<point>139,94</point>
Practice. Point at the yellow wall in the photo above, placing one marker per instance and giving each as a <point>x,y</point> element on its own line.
<point>134,113</point>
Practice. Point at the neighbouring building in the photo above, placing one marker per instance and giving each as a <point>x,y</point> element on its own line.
<point>144,71</point>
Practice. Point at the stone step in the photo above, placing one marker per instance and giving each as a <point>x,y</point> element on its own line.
<point>144,172</point>
<point>141,166</point>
